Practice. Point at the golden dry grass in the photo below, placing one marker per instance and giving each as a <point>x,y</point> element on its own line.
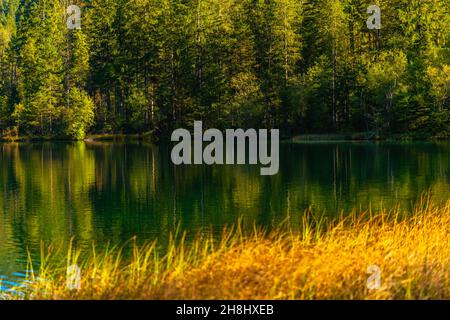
<point>324,260</point>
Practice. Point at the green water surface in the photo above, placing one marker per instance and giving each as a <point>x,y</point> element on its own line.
<point>109,192</point>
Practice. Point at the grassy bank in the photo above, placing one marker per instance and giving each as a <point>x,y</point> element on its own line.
<point>114,137</point>
<point>154,137</point>
<point>120,137</point>
<point>364,136</point>
<point>324,260</point>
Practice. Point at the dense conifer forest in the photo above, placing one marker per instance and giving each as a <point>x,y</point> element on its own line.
<point>304,66</point>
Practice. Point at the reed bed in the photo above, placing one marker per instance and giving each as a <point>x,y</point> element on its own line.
<point>322,259</point>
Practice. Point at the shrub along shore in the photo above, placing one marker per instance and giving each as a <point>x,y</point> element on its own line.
<point>322,259</point>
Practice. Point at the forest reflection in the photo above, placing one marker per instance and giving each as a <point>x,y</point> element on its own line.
<point>109,192</point>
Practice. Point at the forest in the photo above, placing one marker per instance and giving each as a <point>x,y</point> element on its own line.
<point>152,66</point>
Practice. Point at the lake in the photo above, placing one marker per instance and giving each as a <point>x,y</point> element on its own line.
<point>100,192</point>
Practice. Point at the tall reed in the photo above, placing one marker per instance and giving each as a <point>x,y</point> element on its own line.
<point>322,259</point>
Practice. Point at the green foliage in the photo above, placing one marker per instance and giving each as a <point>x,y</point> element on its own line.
<point>138,105</point>
<point>305,66</point>
<point>384,83</point>
<point>79,116</point>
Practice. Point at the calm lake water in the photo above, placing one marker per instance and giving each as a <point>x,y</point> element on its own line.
<point>110,192</point>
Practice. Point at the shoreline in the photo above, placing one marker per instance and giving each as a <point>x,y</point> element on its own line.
<point>149,137</point>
